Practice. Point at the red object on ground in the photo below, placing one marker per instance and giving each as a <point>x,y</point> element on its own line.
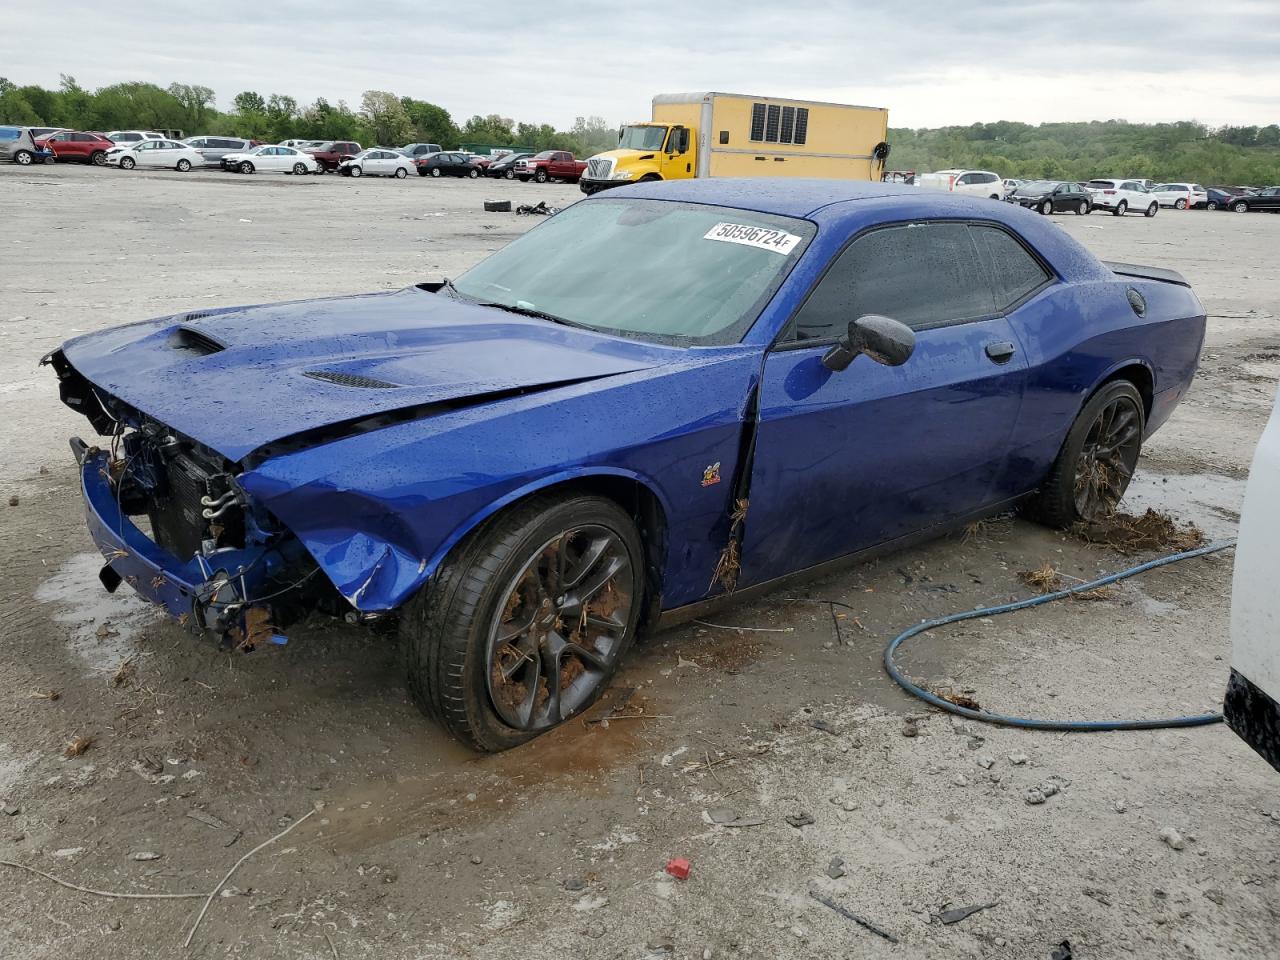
<point>678,867</point>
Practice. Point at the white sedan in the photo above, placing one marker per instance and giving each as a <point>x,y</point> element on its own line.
<point>378,163</point>
<point>272,158</point>
<point>168,154</point>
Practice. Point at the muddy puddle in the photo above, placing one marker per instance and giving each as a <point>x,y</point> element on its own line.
<point>1211,501</point>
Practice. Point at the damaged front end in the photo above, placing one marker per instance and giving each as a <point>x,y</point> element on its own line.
<point>173,522</point>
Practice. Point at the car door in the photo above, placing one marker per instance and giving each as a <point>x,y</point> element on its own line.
<point>1268,199</point>
<point>844,461</point>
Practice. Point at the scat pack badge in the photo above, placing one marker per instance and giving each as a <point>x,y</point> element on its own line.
<point>711,475</point>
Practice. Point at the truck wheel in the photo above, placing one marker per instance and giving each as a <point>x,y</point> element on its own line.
<point>525,623</point>
<point>541,176</point>
<point>1097,460</point>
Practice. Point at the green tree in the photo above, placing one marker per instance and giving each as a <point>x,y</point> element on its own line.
<point>197,104</point>
<point>429,123</point>
<point>249,102</point>
<point>388,121</point>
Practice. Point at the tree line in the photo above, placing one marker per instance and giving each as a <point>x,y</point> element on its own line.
<point>1183,151</point>
<point>382,118</point>
<point>1068,151</point>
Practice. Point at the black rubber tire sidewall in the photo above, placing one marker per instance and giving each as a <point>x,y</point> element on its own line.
<point>1054,504</point>
<point>444,627</point>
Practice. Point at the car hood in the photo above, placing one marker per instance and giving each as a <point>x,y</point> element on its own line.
<point>240,379</point>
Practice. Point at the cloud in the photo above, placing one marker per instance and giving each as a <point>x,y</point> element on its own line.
<point>929,62</point>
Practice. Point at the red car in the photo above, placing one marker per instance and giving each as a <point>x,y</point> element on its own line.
<point>76,145</point>
<point>333,152</point>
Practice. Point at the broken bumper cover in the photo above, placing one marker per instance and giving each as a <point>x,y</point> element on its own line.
<point>207,591</point>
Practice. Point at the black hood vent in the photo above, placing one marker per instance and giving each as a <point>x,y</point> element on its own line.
<point>350,380</point>
<point>194,342</point>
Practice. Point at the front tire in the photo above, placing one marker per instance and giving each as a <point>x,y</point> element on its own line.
<point>525,623</point>
<point>1240,207</point>
<point>354,171</point>
<point>127,163</point>
<point>1152,210</point>
<point>1097,459</point>
<point>541,176</point>
<point>246,167</point>
<point>1211,205</point>
<point>184,165</point>
<point>1121,207</point>
<point>1046,208</point>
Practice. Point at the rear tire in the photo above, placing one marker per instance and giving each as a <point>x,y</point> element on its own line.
<point>1179,204</point>
<point>299,169</point>
<point>483,637</point>
<point>473,173</point>
<point>1087,479</point>
<point>1121,207</point>
<point>509,175</point>
<point>401,173</point>
<point>435,172</point>
<point>98,158</point>
<point>184,165</point>
<point>1083,208</point>
<point>23,158</point>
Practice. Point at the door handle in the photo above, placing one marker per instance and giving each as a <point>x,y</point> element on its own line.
<point>1001,351</point>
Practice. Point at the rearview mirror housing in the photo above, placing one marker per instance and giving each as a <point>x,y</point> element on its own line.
<point>883,339</point>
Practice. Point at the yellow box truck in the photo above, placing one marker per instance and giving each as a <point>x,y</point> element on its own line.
<point>736,135</point>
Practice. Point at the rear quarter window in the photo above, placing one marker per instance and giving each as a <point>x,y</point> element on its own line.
<point>1015,271</point>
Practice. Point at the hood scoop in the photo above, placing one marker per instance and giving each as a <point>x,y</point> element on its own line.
<point>195,343</point>
<point>350,380</point>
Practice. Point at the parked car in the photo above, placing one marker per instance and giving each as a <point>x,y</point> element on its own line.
<point>378,162</point>
<point>1011,184</point>
<point>550,165</point>
<point>976,183</point>
<point>168,154</point>
<point>1219,198</point>
<point>1266,199</point>
<point>525,460</point>
<point>272,158</point>
<point>332,152</point>
<point>415,150</point>
<point>127,137</point>
<point>1122,196</point>
<point>1180,196</point>
<point>446,164</point>
<point>505,167</point>
<point>19,146</point>
<point>213,149</point>
<point>77,145</point>
<point>1053,196</point>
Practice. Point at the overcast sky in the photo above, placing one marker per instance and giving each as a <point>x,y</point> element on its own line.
<point>931,63</point>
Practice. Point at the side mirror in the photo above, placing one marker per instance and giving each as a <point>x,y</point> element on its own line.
<point>882,339</point>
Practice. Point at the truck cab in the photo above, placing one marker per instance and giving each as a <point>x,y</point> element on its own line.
<point>646,151</point>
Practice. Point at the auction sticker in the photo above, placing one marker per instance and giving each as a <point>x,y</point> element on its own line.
<point>779,241</point>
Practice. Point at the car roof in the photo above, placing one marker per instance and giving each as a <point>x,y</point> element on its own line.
<point>782,196</point>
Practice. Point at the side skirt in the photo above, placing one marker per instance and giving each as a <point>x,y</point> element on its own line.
<point>702,608</point>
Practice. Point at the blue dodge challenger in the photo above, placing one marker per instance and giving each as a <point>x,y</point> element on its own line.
<point>660,397</point>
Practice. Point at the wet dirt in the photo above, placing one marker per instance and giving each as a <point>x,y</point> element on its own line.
<point>423,850</point>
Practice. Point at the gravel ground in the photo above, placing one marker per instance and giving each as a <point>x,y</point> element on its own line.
<point>421,850</point>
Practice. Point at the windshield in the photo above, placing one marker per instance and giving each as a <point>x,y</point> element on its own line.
<point>642,138</point>
<point>1038,186</point>
<point>649,269</point>
<point>1102,184</point>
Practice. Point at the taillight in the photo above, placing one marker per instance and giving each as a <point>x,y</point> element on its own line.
<point>951,182</point>
<point>1108,192</point>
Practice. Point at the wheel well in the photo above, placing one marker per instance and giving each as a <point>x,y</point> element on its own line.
<point>649,177</point>
<point>1140,377</point>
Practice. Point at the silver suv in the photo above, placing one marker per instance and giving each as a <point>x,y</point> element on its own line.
<point>213,149</point>
<point>18,145</point>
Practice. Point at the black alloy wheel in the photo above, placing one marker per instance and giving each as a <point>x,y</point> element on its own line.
<point>1108,457</point>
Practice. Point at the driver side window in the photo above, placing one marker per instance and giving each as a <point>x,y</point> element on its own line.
<point>923,274</point>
